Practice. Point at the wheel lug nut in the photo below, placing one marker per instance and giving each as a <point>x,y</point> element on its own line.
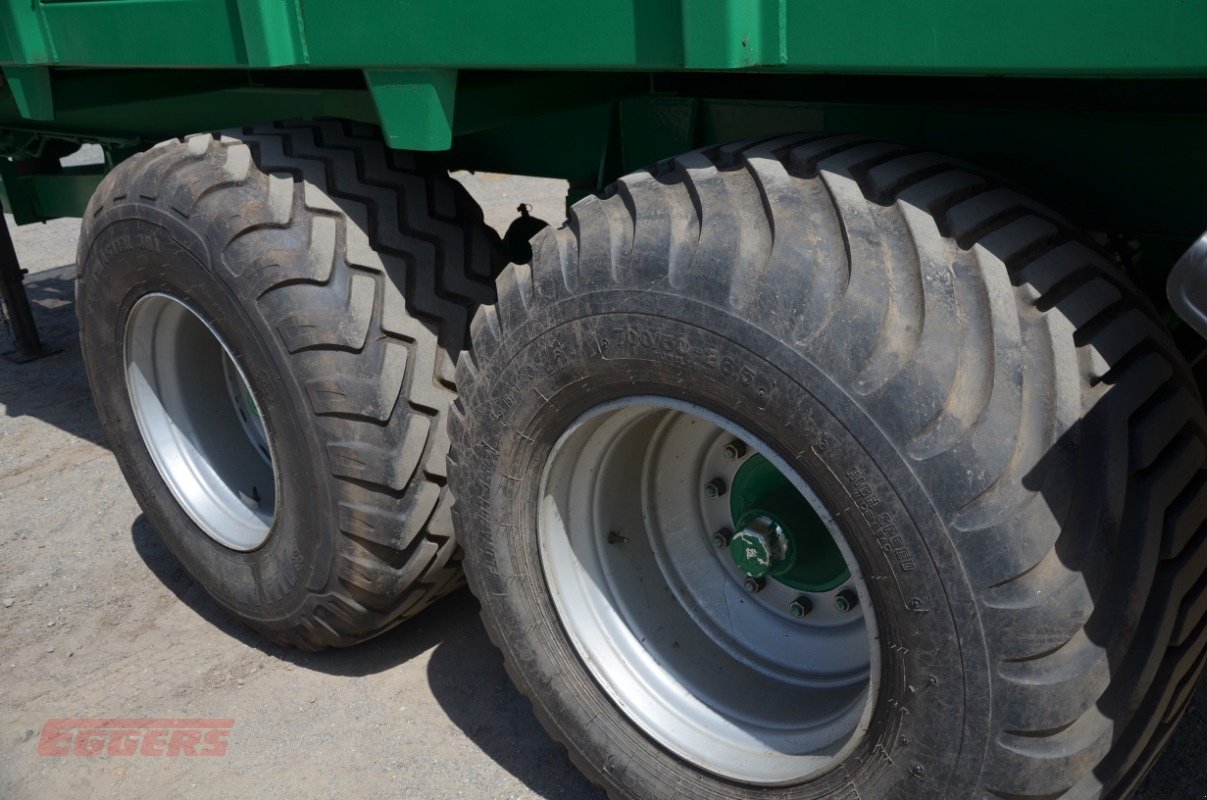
<point>734,450</point>
<point>714,488</point>
<point>753,585</point>
<point>721,538</point>
<point>846,600</point>
<point>800,607</point>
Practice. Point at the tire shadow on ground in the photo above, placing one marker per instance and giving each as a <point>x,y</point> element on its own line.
<point>465,672</point>
<point>467,678</point>
<point>395,647</point>
<point>53,389</point>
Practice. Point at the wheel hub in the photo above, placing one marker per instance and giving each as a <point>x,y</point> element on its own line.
<point>759,547</point>
<point>675,554</point>
<point>780,535</point>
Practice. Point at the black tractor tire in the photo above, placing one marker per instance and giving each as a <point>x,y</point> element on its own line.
<point>341,276</point>
<point>930,340</point>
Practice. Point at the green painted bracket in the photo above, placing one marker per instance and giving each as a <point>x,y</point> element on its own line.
<point>415,107</point>
<point>22,37</point>
<point>273,33</point>
<point>735,34</point>
<point>16,201</point>
<point>38,198</point>
<point>31,91</point>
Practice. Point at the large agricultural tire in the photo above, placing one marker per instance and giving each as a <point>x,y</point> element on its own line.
<point>269,319</point>
<point>970,402</point>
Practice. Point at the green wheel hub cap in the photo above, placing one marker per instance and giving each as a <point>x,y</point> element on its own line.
<point>779,535</point>
<point>758,547</point>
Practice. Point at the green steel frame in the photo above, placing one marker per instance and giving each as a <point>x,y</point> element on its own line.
<point>1099,106</point>
<point>968,37</point>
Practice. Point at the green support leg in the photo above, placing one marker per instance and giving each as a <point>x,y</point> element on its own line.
<point>17,312</point>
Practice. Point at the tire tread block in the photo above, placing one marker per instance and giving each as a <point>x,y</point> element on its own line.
<point>1059,433</point>
<point>367,263</point>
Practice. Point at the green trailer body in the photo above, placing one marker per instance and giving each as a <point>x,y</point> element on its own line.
<point>587,91</point>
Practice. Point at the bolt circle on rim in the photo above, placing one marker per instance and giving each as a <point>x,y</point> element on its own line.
<point>746,676</point>
<point>200,421</point>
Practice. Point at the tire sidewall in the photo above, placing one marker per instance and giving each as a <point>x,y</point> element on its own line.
<point>135,250</point>
<point>566,357</point>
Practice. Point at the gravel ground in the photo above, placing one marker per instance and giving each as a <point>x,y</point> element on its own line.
<point>98,620</point>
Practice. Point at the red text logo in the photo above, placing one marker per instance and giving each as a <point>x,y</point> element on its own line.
<point>135,737</point>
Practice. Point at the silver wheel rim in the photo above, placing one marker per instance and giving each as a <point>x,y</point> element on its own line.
<point>200,421</point>
<point>728,680</point>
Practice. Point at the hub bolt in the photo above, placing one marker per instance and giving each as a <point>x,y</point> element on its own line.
<point>846,600</point>
<point>714,488</point>
<point>734,450</point>
<point>720,539</point>
<point>753,585</point>
<point>800,607</point>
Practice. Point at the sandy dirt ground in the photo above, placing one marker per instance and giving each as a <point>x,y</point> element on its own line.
<point>97,620</point>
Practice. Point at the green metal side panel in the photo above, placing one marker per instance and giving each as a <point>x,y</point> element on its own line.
<point>151,105</point>
<point>144,32</point>
<point>172,33</point>
<point>1000,37</point>
<point>926,37</point>
<point>520,34</point>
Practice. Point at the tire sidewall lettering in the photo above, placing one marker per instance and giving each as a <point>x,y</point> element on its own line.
<point>136,250</point>
<point>523,393</point>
